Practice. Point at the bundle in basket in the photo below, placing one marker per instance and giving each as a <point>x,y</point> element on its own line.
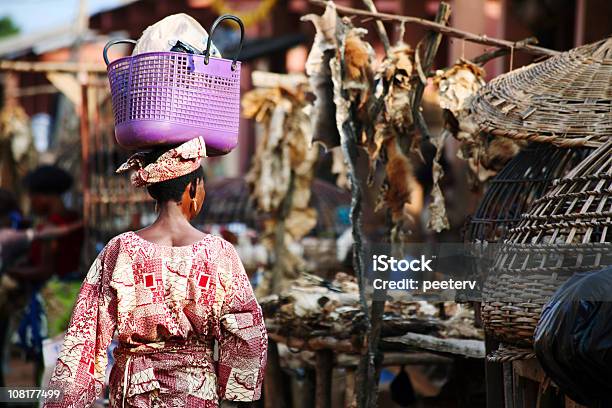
<point>566,231</point>
<point>564,100</point>
<point>170,97</point>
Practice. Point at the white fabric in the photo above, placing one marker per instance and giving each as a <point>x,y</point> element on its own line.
<point>162,36</point>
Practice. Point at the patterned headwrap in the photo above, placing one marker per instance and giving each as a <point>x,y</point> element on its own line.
<point>172,164</point>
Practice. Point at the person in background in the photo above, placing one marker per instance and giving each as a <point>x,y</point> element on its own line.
<point>14,244</point>
<point>60,257</point>
<point>46,258</point>
<point>14,241</point>
<point>171,293</point>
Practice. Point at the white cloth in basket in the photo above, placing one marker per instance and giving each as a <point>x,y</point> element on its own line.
<point>162,36</point>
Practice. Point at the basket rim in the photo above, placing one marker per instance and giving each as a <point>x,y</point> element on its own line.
<point>153,53</point>
<point>525,104</point>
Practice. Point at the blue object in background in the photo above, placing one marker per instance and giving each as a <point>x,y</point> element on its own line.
<point>33,326</point>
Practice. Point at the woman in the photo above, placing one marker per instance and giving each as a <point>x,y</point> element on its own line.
<point>170,292</point>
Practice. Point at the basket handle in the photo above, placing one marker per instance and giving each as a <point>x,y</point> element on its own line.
<point>212,30</point>
<point>111,43</point>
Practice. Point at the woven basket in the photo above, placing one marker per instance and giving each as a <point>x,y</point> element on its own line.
<point>566,231</point>
<point>523,180</point>
<point>565,100</point>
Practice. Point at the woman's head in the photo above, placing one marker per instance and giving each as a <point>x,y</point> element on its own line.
<point>186,191</point>
<point>45,185</point>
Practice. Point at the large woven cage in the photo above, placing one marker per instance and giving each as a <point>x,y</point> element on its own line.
<point>566,231</point>
<point>522,181</point>
<point>565,100</point>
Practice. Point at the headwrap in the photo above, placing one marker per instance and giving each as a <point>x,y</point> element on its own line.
<point>172,164</point>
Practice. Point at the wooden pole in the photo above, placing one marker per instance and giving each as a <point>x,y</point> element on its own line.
<point>273,383</point>
<point>432,42</point>
<point>74,67</point>
<point>324,369</point>
<point>449,31</point>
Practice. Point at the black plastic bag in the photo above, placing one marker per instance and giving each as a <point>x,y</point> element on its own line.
<point>573,339</point>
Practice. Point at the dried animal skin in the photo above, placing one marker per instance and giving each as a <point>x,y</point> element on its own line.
<point>396,195</point>
<point>299,222</point>
<point>457,84</point>
<point>358,59</point>
<point>438,219</point>
<point>15,127</point>
<point>270,177</point>
<point>319,77</point>
<point>396,72</point>
<point>339,168</point>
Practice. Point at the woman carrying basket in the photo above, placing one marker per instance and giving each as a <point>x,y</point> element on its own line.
<point>170,291</point>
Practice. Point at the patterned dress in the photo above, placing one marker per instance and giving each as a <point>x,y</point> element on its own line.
<point>169,305</point>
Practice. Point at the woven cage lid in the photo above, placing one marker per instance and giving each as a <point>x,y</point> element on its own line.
<point>565,100</point>
<point>512,191</point>
<point>576,213</point>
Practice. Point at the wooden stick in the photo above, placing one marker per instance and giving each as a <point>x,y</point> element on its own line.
<point>396,359</point>
<point>449,31</point>
<point>432,41</point>
<point>273,384</point>
<point>500,52</point>
<point>324,369</point>
<point>459,347</point>
<point>263,79</point>
<point>26,66</point>
<point>380,27</point>
<point>316,343</point>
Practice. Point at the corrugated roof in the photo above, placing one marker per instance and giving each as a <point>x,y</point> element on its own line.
<point>48,40</point>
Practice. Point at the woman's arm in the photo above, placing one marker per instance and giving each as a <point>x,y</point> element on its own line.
<point>243,340</point>
<point>81,366</point>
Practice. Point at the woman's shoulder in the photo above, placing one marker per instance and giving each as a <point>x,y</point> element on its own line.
<point>215,243</point>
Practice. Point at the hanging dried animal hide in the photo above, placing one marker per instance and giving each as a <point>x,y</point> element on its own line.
<point>438,219</point>
<point>394,120</point>
<point>323,49</point>
<point>339,168</point>
<point>396,190</point>
<point>485,155</point>
<point>17,153</point>
<point>284,153</point>
<point>394,82</point>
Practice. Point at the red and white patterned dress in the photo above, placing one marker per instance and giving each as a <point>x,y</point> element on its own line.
<point>168,306</point>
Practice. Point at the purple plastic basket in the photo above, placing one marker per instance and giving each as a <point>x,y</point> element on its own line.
<point>171,97</point>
